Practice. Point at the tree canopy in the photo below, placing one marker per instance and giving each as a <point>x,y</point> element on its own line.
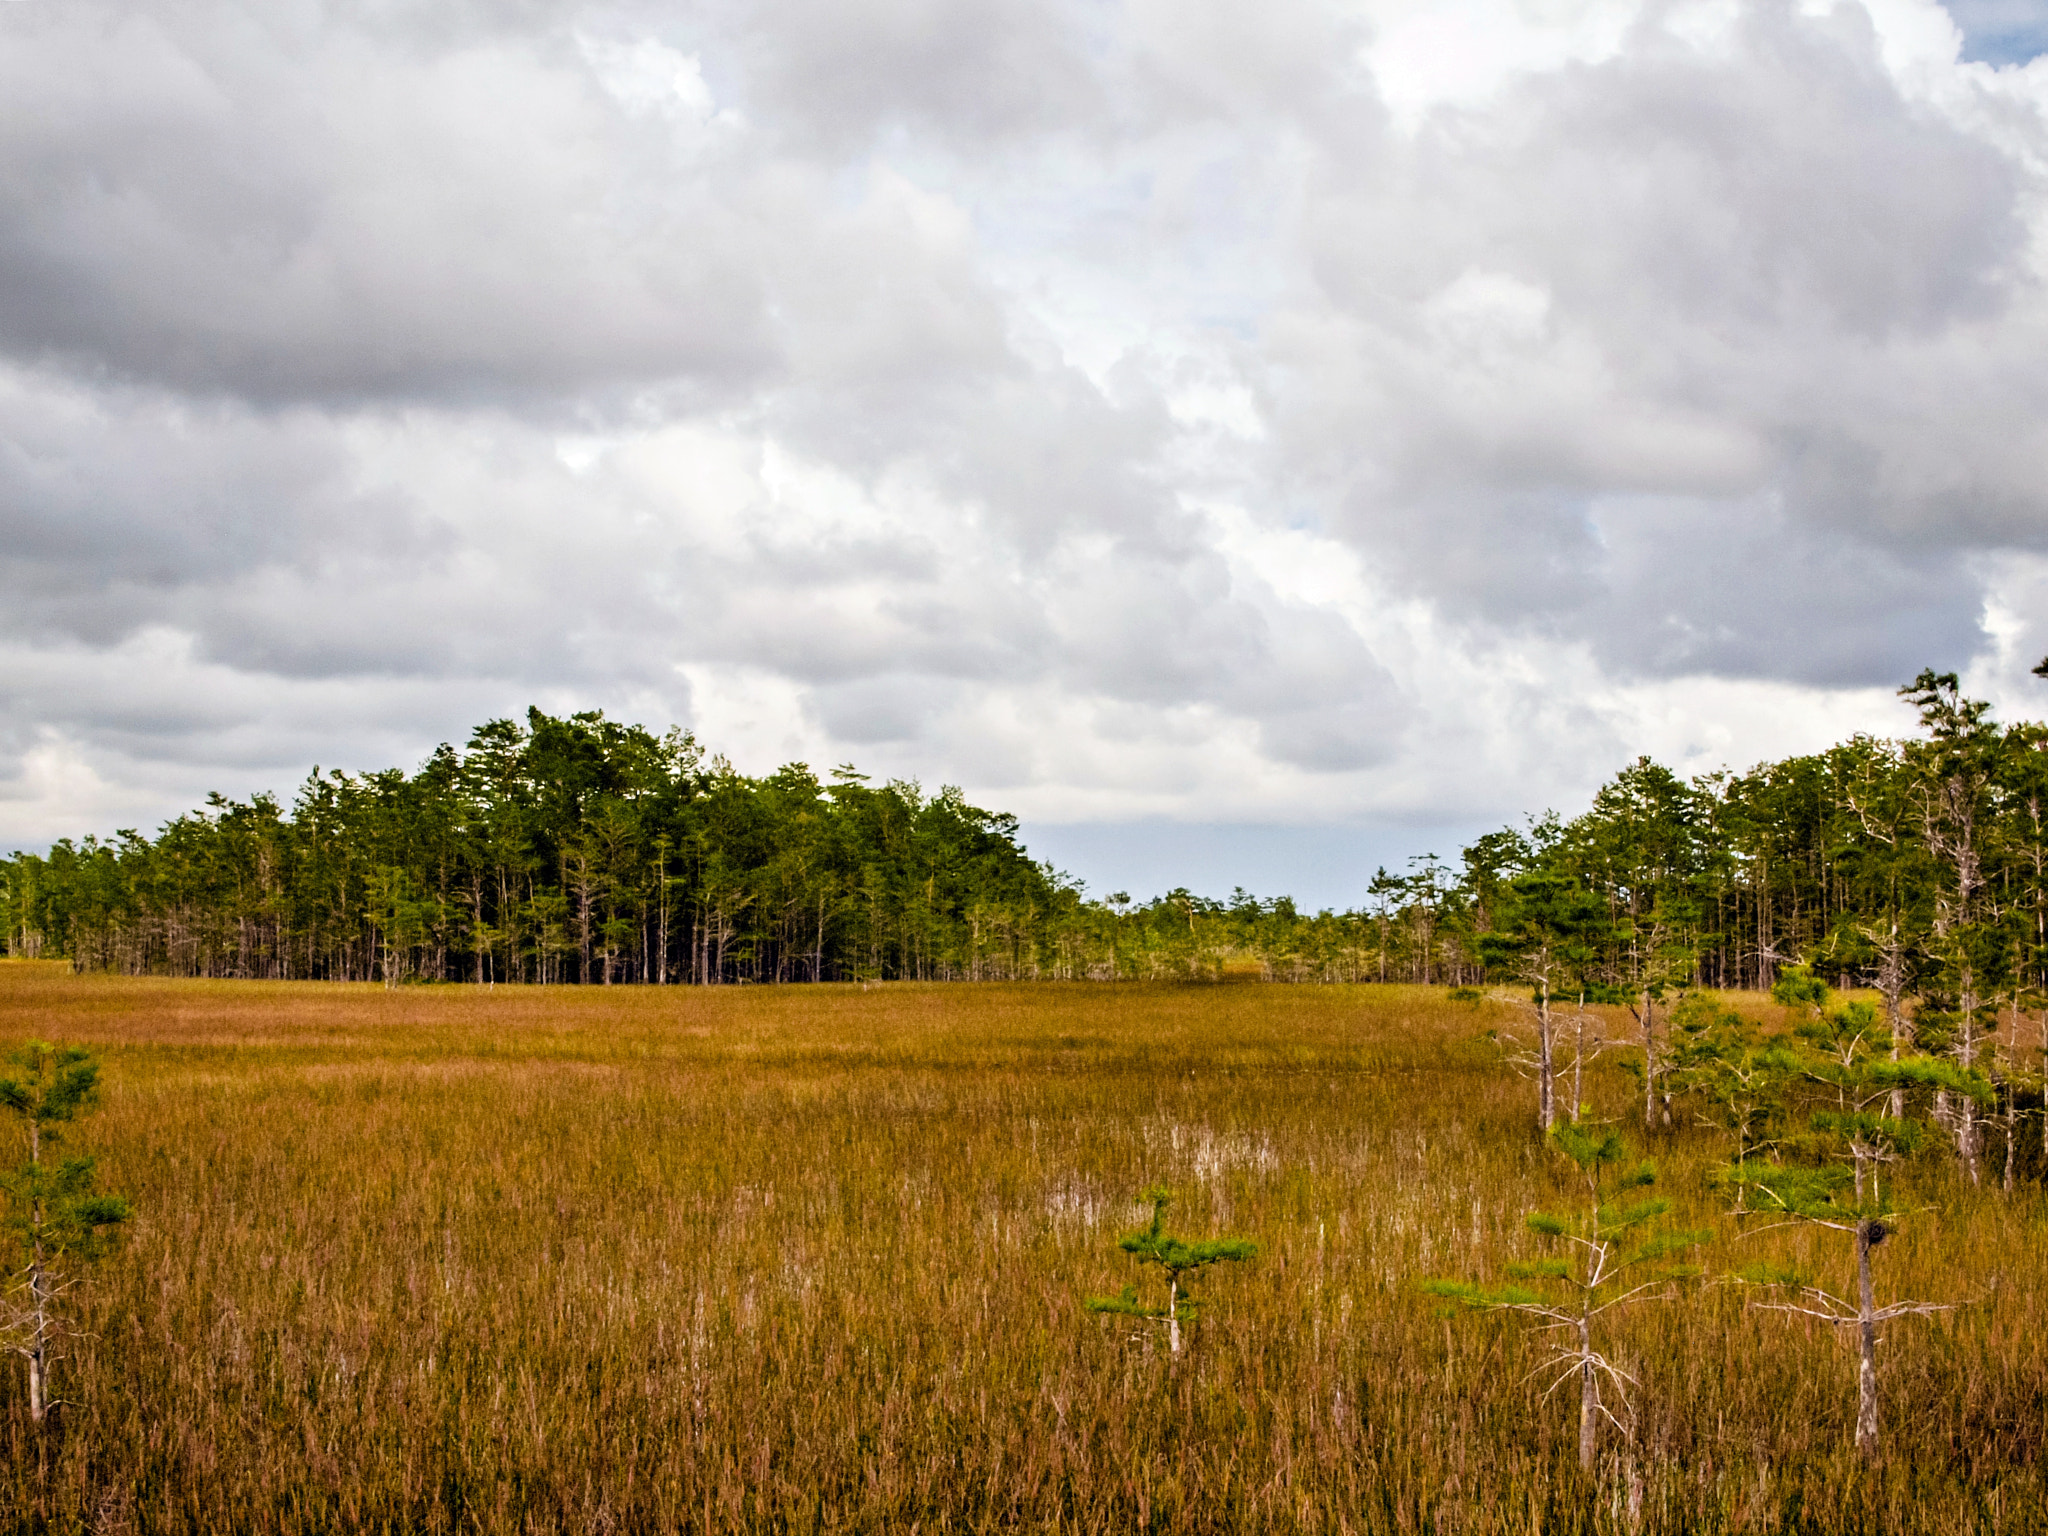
<point>580,849</point>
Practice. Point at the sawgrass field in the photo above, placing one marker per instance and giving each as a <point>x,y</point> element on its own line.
<point>814,1259</point>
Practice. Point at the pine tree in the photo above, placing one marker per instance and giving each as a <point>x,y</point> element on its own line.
<point>1179,1260</point>
<point>1549,930</point>
<point>1954,774</point>
<point>1832,1176</point>
<point>52,1215</point>
<point>1732,1073</point>
<point>1800,990</point>
<point>1608,1241</point>
<point>1640,848</point>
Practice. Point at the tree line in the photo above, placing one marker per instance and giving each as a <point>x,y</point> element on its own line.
<point>580,849</point>
<point>1914,867</point>
<point>558,850</point>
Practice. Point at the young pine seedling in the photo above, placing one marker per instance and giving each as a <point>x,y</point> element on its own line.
<point>1179,1260</point>
<point>1615,1251</point>
<point>48,1209</point>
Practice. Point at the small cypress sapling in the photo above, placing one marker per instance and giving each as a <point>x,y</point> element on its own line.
<point>1642,1003</point>
<point>1611,1240</point>
<point>1179,1259</point>
<point>1798,989</point>
<point>1844,1066</point>
<point>1734,1075</point>
<point>51,1212</point>
<point>1837,1187</point>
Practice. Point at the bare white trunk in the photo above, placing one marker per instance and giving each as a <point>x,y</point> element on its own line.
<point>1866,1367</point>
<point>39,1296</point>
<point>1589,1399</point>
<point>1966,1108</point>
<point>1649,1061</point>
<point>1579,1061</point>
<point>38,1350</point>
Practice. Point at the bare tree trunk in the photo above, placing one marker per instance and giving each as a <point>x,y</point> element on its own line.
<point>1546,1079</point>
<point>583,923</point>
<point>1579,1060</point>
<point>1966,1108</point>
<point>1173,1314</point>
<point>1868,1233</point>
<point>1589,1399</point>
<point>2012,1134</point>
<point>1891,986</point>
<point>39,1340</point>
<point>38,1350</point>
<point>818,950</point>
<point>1649,1060</point>
<point>2009,1054</point>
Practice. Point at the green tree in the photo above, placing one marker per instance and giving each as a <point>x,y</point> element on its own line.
<point>1799,989</point>
<point>1548,936</point>
<point>1178,1260</point>
<point>1616,1251</point>
<point>1953,775</point>
<point>53,1216</point>
<point>1830,1178</point>
<point>1732,1074</point>
<point>1639,848</point>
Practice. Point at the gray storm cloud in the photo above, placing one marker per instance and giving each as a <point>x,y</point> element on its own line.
<point>1129,410</point>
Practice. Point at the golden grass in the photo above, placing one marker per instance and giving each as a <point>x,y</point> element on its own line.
<point>812,1259</point>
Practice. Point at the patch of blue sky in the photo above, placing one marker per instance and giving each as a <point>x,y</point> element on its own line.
<point>2002,31</point>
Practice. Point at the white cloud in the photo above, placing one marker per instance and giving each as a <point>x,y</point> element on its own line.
<point>647,76</point>
<point>1408,410</point>
<point>1428,54</point>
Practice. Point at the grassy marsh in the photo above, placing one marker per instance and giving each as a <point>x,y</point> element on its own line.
<point>805,1259</point>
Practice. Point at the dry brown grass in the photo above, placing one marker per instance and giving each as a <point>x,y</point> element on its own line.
<point>812,1258</point>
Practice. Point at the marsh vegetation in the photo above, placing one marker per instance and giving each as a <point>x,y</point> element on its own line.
<point>751,1259</point>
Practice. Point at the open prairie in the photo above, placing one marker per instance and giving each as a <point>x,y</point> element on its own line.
<point>814,1258</point>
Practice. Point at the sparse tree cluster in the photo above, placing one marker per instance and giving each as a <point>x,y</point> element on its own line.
<point>1823,1124</point>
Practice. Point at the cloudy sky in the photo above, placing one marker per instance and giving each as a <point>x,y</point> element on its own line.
<point>1249,442</point>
